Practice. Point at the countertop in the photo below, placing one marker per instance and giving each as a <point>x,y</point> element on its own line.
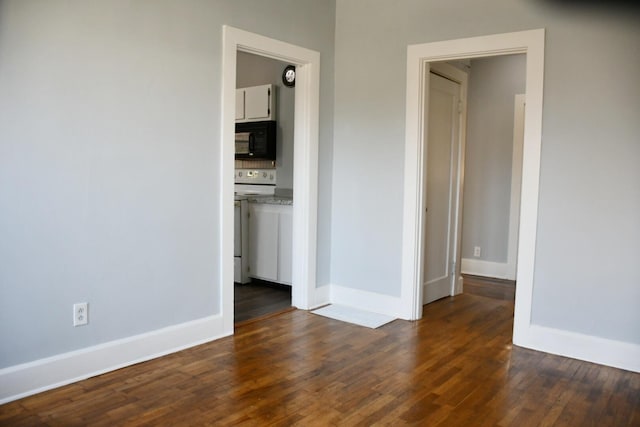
<point>281,196</point>
<point>271,200</point>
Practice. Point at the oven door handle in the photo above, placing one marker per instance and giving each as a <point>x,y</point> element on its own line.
<point>252,143</point>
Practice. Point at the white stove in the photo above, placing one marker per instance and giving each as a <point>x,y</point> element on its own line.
<point>248,182</point>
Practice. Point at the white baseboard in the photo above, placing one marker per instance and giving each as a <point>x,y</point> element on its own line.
<point>476,267</point>
<point>322,296</point>
<point>589,348</point>
<point>370,301</point>
<point>34,377</point>
<point>459,285</point>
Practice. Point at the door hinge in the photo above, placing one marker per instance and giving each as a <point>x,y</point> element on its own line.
<point>459,106</point>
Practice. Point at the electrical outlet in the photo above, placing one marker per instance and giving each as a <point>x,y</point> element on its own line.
<point>80,314</point>
<point>476,251</point>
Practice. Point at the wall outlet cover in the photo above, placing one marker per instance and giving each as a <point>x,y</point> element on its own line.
<point>80,314</point>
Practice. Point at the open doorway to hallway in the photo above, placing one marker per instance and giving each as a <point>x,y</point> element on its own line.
<point>493,166</point>
<point>473,150</point>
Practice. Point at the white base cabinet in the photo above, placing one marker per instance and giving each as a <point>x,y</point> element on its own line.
<point>270,242</point>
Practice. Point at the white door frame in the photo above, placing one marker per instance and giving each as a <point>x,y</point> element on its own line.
<point>305,172</point>
<point>530,43</point>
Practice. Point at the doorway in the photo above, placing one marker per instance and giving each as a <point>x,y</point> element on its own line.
<point>305,175</point>
<point>419,58</point>
<point>479,98</point>
<point>471,105</point>
<point>263,257</point>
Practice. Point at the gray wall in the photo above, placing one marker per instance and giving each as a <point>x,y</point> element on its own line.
<point>254,70</point>
<point>493,83</point>
<point>109,153</point>
<point>586,269</point>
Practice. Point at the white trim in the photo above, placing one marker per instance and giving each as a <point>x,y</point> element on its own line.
<point>30,378</point>
<point>530,43</point>
<point>322,296</point>
<point>305,176</point>
<point>594,349</point>
<point>478,267</point>
<point>412,273</point>
<point>516,181</point>
<point>365,300</point>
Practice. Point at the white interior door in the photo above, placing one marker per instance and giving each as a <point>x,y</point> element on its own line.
<point>442,144</point>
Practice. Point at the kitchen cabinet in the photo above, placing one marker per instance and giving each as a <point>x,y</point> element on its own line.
<point>263,241</point>
<point>270,242</point>
<point>255,103</point>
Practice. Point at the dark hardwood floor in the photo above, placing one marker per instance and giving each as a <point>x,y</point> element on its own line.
<point>489,287</point>
<point>454,367</point>
<point>259,298</point>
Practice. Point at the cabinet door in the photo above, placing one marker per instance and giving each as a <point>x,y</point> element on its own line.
<point>285,239</point>
<point>257,102</point>
<point>239,104</point>
<point>263,242</point>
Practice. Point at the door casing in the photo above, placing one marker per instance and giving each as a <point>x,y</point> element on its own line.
<point>530,43</point>
<point>305,173</point>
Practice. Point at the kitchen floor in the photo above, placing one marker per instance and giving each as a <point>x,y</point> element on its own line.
<point>260,298</point>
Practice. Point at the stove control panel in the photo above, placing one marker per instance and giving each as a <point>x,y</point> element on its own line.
<point>255,176</point>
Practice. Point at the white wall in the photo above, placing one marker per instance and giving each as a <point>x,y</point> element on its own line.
<point>586,275</point>
<point>254,70</point>
<point>493,83</point>
<point>109,142</point>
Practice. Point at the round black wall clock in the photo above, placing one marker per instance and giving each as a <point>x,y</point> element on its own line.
<point>289,76</point>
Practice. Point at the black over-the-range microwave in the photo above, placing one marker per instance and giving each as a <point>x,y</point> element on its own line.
<point>256,140</point>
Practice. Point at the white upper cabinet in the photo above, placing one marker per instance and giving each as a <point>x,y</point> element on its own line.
<point>255,103</point>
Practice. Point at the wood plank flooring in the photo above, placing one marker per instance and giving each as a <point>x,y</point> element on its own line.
<point>454,367</point>
<point>489,287</point>
<point>259,298</point>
